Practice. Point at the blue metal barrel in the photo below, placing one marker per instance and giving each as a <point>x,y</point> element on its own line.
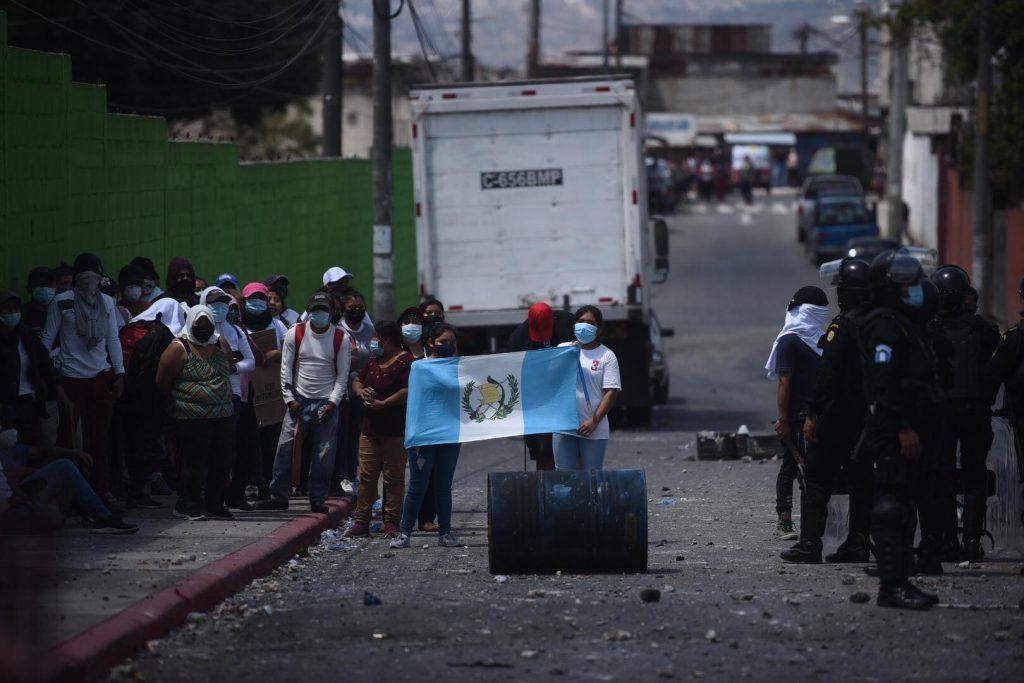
<point>577,522</point>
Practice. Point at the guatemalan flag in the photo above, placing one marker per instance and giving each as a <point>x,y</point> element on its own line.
<point>454,400</point>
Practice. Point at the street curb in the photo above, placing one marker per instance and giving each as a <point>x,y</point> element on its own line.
<point>95,651</point>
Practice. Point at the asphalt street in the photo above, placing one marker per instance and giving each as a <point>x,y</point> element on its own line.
<point>729,609</point>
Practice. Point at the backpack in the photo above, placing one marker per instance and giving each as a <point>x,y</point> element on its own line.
<point>300,332</point>
<point>141,391</point>
<point>130,336</point>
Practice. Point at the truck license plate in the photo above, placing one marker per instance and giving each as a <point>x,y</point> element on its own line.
<point>502,180</point>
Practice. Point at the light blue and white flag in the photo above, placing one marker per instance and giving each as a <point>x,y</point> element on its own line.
<point>455,400</point>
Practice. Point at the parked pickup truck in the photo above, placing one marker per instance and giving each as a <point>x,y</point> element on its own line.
<point>837,219</point>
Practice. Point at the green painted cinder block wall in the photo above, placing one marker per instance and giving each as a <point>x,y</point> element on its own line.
<point>75,178</point>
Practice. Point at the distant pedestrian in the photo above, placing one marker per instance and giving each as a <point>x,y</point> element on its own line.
<point>543,328</point>
<point>794,361</point>
<point>42,288</point>
<point>597,388</point>
<point>432,468</point>
<point>278,285</point>
<point>129,282</point>
<point>356,323</point>
<point>181,282</point>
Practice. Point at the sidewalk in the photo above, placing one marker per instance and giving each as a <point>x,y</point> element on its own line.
<point>87,601</point>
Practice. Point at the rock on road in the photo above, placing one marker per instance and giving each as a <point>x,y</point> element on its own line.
<point>729,608</point>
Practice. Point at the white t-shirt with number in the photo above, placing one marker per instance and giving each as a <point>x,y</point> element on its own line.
<point>599,368</point>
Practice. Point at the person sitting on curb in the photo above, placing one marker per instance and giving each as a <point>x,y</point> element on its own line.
<point>37,484</point>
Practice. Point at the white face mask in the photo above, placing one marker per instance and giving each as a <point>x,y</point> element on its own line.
<point>8,437</point>
<point>133,293</point>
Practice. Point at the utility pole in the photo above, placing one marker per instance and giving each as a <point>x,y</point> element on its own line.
<point>467,42</point>
<point>331,86</point>
<point>383,242</point>
<point>982,253</point>
<point>863,17</point>
<point>605,50</point>
<point>897,129</point>
<point>618,34</point>
<point>533,45</point>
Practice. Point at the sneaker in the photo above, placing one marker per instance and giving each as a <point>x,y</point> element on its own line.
<point>784,530</point>
<point>141,500</point>
<point>272,504</point>
<point>182,511</point>
<point>159,487</point>
<point>319,507</point>
<point>113,526</point>
<point>391,530</point>
<point>449,540</point>
<point>348,488</point>
<point>219,512</point>
<point>401,541</point>
<point>358,530</point>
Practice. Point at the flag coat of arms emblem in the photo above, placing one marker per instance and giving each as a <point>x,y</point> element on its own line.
<point>455,400</point>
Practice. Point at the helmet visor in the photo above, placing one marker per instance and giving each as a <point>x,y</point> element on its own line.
<point>905,269</point>
<point>829,273</point>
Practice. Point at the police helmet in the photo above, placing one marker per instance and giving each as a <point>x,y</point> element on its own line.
<point>893,267</point>
<point>953,284</point>
<point>932,300</point>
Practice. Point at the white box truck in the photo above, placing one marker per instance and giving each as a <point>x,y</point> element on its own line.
<point>534,191</point>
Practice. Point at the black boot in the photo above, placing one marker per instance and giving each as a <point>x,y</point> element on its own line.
<point>904,596</point>
<point>973,550</point>
<point>803,552</point>
<point>856,548</point>
<point>928,559</point>
<point>930,597</point>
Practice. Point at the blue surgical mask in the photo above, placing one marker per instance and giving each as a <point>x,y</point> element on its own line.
<point>412,332</point>
<point>585,332</point>
<point>256,306</point>
<point>320,318</point>
<point>43,295</point>
<point>915,296</point>
<point>446,350</point>
<point>220,311</point>
<point>10,319</point>
<point>375,350</point>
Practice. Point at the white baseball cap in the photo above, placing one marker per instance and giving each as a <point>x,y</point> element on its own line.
<point>334,274</point>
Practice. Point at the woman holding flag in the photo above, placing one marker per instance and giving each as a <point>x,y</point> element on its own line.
<point>596,390</point>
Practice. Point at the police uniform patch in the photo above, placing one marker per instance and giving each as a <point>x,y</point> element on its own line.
<point>831,335</point>
<point>883,353</point>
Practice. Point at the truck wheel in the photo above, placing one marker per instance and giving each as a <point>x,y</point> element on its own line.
<point>638,416</point>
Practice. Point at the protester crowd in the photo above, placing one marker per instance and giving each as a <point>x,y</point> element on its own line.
<point>120,392</point>
<point>892,402</point>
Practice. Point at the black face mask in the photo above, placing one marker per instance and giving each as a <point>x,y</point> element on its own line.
<point>202,330</point>
<point>184,289</point>
<point>354,316</point>
<point>258,321</point>
<point>445,350</point>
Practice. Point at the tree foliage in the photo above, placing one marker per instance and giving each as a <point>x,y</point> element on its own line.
<point>181,58</point>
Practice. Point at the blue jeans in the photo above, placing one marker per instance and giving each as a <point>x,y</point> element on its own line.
<point>61,484</point>
<point>441,461</point>
<point>572,450</point>
<point>323,437</point>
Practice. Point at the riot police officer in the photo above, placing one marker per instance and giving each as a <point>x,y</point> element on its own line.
<point>900,387</point>
<point>963,344</point>
<point>834,423</point>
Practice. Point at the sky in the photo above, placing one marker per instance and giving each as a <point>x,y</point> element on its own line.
<point>500,26</point>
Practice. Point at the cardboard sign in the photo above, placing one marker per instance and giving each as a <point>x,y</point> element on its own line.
<point>267,398</point>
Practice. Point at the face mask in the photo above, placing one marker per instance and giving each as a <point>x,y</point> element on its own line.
<point>355,315</point>
<point>446,350</point>
<point>220,311</point>
<point>412,333</point>
<point>256,306</point>
<point>375,350</point>
<point>202,330</point>
<point>915,296</point>
<point>133,293</point>
<point>429,320</point>
<point>234,317</point>
<point>88,282</point>
<point>9,437</point>
<point>148,286</point>
<point>585,332</point>
<point>10,319</point>
<point>43,295</point>
<point>320,318</point>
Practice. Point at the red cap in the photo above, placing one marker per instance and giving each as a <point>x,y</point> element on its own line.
<point>541,321</point>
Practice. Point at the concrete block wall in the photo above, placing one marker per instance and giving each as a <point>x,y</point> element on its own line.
<point>75,178</point>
